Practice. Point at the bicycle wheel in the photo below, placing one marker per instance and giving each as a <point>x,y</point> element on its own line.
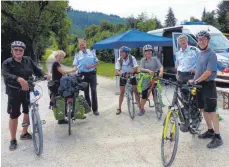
<point>170,138</point>
<point>130,104</point>
<point>69,113</point>
<point>157,103</point>
<point>37,132</point>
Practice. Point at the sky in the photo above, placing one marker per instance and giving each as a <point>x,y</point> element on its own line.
<point>183,9</point>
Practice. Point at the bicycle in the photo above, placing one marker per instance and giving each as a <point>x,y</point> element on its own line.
<point>34,116</point>
<point>70,107</point>
<point>177,117</point>
<point>131,101</point>
<point>157,98</point>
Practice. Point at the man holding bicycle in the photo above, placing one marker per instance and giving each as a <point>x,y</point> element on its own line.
<point>126,65</point>
<point>206,72</point>
<point>16,71</point>
<point>148,65</point>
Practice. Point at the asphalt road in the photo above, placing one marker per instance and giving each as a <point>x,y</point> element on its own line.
<point>109,140</point>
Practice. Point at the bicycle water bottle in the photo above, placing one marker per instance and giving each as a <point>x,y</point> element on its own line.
<point>32,97</point>
<point>36,93</point>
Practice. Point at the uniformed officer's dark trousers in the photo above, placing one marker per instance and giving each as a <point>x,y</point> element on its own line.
<point>184,77</point>
<point>91,79</point>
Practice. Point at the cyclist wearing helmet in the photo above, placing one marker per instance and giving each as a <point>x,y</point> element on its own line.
<point>206,72</point>
<point>16,70</point>
<point>126,64</point>
<point>149,64</point>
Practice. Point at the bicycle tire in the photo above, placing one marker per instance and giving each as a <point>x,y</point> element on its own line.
<point>157,103</point>
<point>69,113</point>
<point>176,139</point>
<point>130,100</point>
<point>37,128</point>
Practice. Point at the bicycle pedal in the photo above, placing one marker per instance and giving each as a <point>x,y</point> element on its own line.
<point>43,122</point>
<point>25,124</point>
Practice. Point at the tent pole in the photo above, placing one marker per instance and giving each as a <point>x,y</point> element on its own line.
<point>117,53</point>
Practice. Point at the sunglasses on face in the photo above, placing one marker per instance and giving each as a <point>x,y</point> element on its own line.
<point>18,50</point>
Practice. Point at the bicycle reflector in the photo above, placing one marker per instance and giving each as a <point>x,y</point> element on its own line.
<point>193,91</point>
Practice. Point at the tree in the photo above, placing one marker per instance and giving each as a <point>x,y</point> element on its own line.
<point>142,17</point>
<point>158,23</point>
<point>193,19</point>
<point>204,14</point>
<point>170,18</point>
<point>131,22</point>
<point>222,10</point>
<point>210,18</point>
<point>147,25</point>
<point>32,22</point>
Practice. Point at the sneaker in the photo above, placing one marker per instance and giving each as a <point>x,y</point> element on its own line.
<point>26,136</point>
<point>141,113</point>
<point>215,143</point>
<point>206,135</point>
<point>13,145</point>
<point>96,113</point>
<point>64,121</point>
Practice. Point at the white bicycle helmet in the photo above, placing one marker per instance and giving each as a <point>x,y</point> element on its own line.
<point>18,44</point>
<point>147,47</point>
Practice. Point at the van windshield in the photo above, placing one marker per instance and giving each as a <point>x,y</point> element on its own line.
<point>219,42</point>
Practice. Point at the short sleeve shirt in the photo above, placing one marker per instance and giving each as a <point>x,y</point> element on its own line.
<point>152,64</point>
<point>126,66</point>
<point>206,61</point>
<point>83,59</point>
<point>186,60</point>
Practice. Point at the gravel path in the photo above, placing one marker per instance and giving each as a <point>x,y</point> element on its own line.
<point>109,140</point>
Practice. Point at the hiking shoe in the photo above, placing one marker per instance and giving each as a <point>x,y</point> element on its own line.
<point>26,136</point>
<point>207,135</point>
<point>64,121</point>
<point>13,145</point>
<point>215,143</point>
<point>96,113</point>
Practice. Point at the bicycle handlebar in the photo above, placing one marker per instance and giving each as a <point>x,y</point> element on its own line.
<point>185,86</point>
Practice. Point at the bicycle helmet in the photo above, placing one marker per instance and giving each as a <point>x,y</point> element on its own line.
<point>147,47</point>
<point>125,49</point>
<point>18,44</point>
<point>203,33</point>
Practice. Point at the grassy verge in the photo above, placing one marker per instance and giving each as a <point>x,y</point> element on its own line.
<point>103,68</point>
<point>48,52</point>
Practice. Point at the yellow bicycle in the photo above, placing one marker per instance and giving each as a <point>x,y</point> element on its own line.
<point>178,118</point>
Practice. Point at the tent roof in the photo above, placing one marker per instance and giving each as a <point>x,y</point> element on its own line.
<point>133,39</point>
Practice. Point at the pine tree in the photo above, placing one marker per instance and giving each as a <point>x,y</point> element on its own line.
<point>222,10</point>
<point>204,14</point>
<point>170,18</point>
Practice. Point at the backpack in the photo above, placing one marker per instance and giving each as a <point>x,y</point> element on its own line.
<point>131,63</point>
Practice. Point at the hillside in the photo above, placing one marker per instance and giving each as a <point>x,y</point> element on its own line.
<point>81,20</point>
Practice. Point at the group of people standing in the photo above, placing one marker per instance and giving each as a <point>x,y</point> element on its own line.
<point>193,65</point>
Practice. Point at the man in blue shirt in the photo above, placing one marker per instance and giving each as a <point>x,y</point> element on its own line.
<point>206,72</point>
<point>185,60</point>
<point>86,61</point>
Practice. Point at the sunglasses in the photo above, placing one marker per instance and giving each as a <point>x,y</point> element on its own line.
<point>18,50</point>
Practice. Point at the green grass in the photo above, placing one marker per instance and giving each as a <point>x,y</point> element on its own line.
<point>103,68</point>
<point>48,52</point>
<point>106,69</point>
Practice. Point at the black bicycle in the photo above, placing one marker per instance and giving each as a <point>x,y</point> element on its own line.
<point>34,117</point>
<point>179,117</point>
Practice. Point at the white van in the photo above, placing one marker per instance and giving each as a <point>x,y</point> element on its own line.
<point>219,43</point>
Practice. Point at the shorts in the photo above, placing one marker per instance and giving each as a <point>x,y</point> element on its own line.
<point>133,81</point>
<point>15,100</point>
<point>145,93</point>
<point>207,96</point>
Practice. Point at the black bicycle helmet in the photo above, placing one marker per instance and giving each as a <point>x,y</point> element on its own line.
<point>203,33</point>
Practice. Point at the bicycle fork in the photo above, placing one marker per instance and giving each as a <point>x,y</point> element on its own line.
<point>166,124</point>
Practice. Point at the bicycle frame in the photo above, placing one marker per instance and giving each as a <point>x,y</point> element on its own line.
<point>168,116</point>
